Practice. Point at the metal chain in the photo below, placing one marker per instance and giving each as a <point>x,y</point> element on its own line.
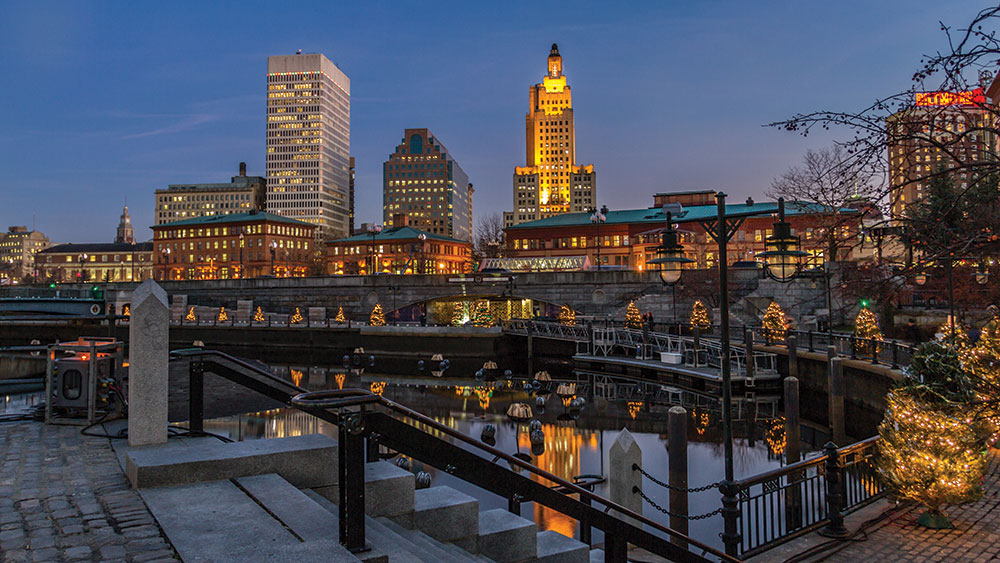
<point>668,513</point>
<point>635,467</point>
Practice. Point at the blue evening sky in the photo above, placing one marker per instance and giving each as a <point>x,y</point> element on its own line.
<point>103,101</point>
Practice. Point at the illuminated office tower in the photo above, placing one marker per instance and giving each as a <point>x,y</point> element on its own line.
<point>309,142</point>
<point>551,183</point>
<point>422,181</point>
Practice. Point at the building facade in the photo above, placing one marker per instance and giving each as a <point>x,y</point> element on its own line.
<point>125,233</point>
<point>551,182</point>
<point>233,246</point>
<point>424,182</point>
<point>628,238</point>
<point>309,142</point>
<point>399,250</point>
<point>96,262</point>
<point>186,201</point>
<point>941,132</point>
<point>18,247</point>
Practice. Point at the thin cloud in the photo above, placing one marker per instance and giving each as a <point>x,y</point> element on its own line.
<point>188,123</point>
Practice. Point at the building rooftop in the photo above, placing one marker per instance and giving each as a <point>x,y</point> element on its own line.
<point>76,248</point>
<point>689,214</point>
<point>397,233</point>
<point>210,220</point>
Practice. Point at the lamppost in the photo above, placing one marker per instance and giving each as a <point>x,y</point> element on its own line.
<point>373,230</point>
<point>274,248</point>
<point>423,256</point>
<point>783,259</point>
<point>83,275</point>
<point>166,264</point>
<point>597,218</point>
<point>671,259</point>
<point>242,275</point>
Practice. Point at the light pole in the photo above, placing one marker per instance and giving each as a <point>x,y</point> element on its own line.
<point>274,248</point>
<point>242,275</point>
<point>373,230</point>
<point>83,259</point>
<point>671,259</point>
<point>166,264</point>
<point>597,218</point>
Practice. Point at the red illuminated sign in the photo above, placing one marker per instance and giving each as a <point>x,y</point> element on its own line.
<point>968,98</point>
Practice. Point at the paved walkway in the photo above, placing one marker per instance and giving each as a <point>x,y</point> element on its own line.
<point>898,537</point>
<point>64,497</point>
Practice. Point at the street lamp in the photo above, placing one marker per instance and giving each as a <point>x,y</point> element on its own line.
<point>242,275</point>
<point>671,259</point>
<point>920,279</point>
<point>83,258</point>
<point>597,218</point>
<point>783,258</point>
<point>274,248</point>
<point>166,264</point>
<point>373,230</point>
<point>982,275</point>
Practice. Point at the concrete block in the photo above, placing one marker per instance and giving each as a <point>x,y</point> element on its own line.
<point>304,461</point>
<point>447,515</point>
<point>554,547</point>
<point>596,556</point>
<point>292,507</point>
<point>388,491</point>
<point>671,358</point>
<point>149,357</point>
<point>505,536</point>
<point>625,453</point>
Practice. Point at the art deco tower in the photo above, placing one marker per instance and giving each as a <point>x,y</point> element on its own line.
<point>309,142</point>
<point>551,183</point>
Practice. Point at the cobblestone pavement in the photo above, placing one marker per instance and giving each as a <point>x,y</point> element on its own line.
<point>63,497</point>
<point>976,536</point>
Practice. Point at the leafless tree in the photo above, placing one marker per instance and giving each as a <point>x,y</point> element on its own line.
<point>489,238</point>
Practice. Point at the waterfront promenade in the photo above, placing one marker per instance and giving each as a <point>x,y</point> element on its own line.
<point>64,497</point>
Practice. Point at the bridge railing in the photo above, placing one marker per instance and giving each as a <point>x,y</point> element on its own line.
<point>887,352</point>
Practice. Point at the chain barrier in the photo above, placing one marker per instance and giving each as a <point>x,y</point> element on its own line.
<point>635,467</point>
<point>652,503</point>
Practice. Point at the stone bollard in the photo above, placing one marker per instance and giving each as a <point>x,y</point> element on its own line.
<point>791,343</point>
<point>678,477</point>
<point>148,357</point>
<point>623,481</point>
<point>838,433</point>
<point>793,444</point>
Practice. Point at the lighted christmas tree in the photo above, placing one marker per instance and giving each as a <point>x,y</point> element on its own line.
<point>296,317</point>
<point>930,448</point>
<point>633,319</point>
<point>983,362</point>
<point>774,323</point>
<point>340,318</point>
<point>567,316</point>
<point>126,311</point>
<point>258,316</point>
<point>481,316</point>
<point>866,328</point>
<point>191,316</point>
<point>954,335</point>
<point>222,315</point>
<point>458,314</point>
<point>377,318</point>
<point>699,317</point>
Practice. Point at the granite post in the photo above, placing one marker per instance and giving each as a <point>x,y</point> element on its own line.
<point>624,482</point>
<point>678,471</point>
<point>837,430</point>
<point>148,357</point>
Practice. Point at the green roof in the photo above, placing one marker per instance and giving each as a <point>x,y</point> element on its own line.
<point>210,220</point>
<point>693,213</point>
<point>397,233</point>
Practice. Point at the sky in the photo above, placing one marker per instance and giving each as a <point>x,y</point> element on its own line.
<point>104,102</point>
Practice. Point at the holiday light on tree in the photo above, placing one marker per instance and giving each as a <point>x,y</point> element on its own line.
<point>481,316</point>
<point>633,319</point>
<point>930,449</point>
<point>223,316</point>
<point>699,317</point>
<point>774,323</point>
<point>953,332</point>
<point>258,316</point>
<point>983,362</point>
<point>126,311</point>
<point>296,317</point>
<point>340,318</point>
<point>567,316</point>
<point>377,317</point>
<point>866,329</point>
<point>191,316</point>
<point>458,314</point>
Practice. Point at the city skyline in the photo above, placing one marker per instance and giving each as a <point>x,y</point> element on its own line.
<point>148,110</point>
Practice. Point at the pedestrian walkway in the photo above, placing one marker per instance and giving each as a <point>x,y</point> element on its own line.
<point>896,536</point>
<point>64,497</point>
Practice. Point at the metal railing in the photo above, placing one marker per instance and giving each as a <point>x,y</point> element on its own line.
<point>785,503</point>
<point>887,352</point>
<point>366,421</point>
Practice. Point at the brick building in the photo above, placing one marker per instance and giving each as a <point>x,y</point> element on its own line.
<point>95,262</point>
<point>234,246</point>
<point>399,250</point>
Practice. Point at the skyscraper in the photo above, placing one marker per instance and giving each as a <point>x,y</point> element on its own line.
<point>422,181</point>
<point>309,142</point>
<point>551,183</point>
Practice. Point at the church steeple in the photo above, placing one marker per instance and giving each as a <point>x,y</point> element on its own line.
<point>555,62</point>
<point>125,232</point>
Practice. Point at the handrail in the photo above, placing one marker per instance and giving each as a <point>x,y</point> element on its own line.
<point>322,400</point>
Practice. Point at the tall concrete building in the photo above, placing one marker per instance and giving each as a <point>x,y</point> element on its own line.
<point>424,182</point>
<point>187,201</point>
<point>551,183</point>
<point>18,247</point>
<point>309,142</point>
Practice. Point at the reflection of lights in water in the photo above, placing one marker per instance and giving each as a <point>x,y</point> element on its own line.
<point>340,378</point>
<point>700,422</point>
<point>484,394</point>
<point>378,387</point>
<point>633,408</point>
<point>568,399</point>
<point>296,376</point>
<point>775,436</point>
<point>561,458</point>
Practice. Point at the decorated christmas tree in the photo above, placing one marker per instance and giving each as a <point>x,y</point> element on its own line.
<point>258,316</point>
<point>126,311</point>
<point>633,319</point>
<point>458,314</point>
<point>191,317</point>
<point>954,335</point>
<point>296,317</point>
<point>567,316</point>
<point>340,318</point>
<point>774,323</point>
<point>866,330</point>
<point>223,316</point>
<point>983,363</point>
<point>930,448</point>
<point>699,317</point>
<point>377,318</point>
<point>481,316</point>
